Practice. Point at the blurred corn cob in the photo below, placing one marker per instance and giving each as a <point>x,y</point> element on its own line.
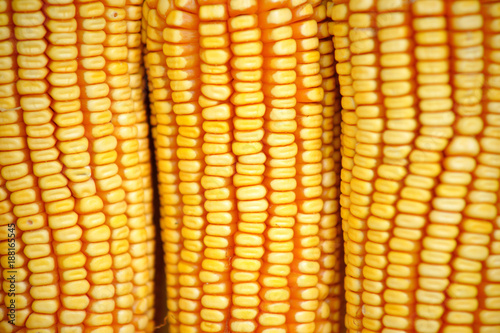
<point>69,129</point>
<point>421,164</point>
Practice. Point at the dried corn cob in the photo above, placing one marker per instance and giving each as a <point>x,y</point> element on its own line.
<point>423,197</point>
<point>232,67</point>
<point>67,196</point>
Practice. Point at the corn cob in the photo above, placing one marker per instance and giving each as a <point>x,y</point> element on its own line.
<point>70,209</point>
<point>231,67</point>
<point>422,202</point>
